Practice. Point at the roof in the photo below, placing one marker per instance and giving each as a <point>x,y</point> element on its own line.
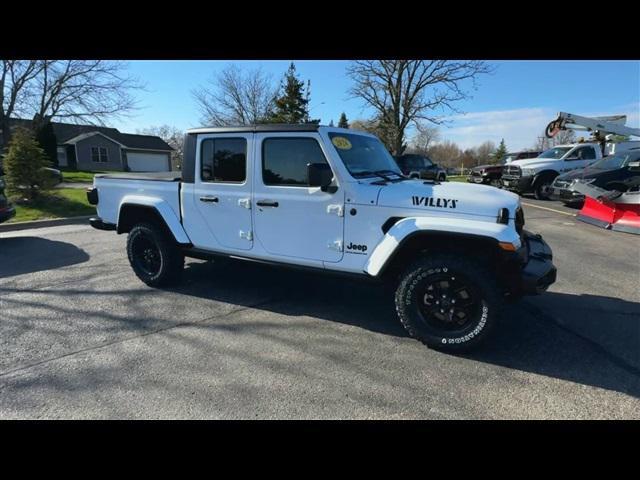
<point>269,127</point>
<point>65,132</point>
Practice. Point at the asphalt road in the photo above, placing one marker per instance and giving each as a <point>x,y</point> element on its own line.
<point>81,337</point>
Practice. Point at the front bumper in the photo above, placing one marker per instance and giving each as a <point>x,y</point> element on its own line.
<point>517,184</point>
<point>530,271</point>
<point>478,178</point>
<point>539,272</point>
<point>7,212</point>
<point>566,195</point>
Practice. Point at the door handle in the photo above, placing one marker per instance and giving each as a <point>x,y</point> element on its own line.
<point>266,203</point>
<point>209,199</point>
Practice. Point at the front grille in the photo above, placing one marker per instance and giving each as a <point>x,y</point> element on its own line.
<point>511,170</point>
<point>519,220</point>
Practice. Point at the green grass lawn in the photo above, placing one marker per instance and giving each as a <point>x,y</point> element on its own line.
<point>457,178</point>
<point>58,203</point>
<point>78,176</point>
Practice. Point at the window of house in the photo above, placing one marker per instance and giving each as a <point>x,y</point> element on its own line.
<point>99,154</point>
<point>223,160</point>
<point>285,160</point>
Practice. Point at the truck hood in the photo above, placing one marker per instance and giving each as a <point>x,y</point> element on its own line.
<point>487,167</point>
<point>447,197</point>
<point>535,162</point>
<point>582,173</point>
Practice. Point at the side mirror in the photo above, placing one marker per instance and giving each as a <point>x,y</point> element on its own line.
<point>634,166</point>
<point>319,175</point>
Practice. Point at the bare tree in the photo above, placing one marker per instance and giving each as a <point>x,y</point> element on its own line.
<point>175,139</point>
<point>16,77</point>
<point>426,135</point>
<point>234,97</point>
<point>89,91</point>
<point>484,153</point>
<point>407,91</point>
<point>563,137</point>
<point>446,153</point>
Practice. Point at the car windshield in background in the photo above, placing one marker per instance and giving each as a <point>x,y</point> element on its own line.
<point>363,155</point>
<point>415,161</point>
<point>556,152</point>
<point>614,162</point>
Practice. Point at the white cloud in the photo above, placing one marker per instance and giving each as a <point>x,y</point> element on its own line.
<point>519,127</point>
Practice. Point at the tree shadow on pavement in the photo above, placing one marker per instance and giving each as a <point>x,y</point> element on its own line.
<point>587,339</point>
<point>20,255</point>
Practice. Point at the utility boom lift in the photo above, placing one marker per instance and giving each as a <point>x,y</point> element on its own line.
<point>601,127</point>
<point>608,209</point>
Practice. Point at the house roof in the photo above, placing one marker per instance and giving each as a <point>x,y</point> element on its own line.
<point>68,131</point>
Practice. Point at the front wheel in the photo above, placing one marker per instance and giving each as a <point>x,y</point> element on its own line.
<point>542,189</point>
<point>448,302</point>
<point>154,257</point>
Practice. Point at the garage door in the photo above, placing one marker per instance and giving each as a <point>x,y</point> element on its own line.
<point>148,162</point>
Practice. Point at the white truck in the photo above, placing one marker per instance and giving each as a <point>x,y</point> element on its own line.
<point>335,201</point>
<point>537,174</point>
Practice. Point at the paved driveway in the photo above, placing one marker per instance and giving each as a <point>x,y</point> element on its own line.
<point>81,337</point>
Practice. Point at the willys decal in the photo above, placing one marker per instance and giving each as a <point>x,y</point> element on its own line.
<point>434,202</point>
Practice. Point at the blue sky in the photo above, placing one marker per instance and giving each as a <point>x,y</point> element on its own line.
<point>514,103</point>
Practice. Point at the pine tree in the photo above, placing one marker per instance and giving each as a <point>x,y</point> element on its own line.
<point>46,138</point>
<point>292,106</point>
<point>331,123</point>
<point>24,163</point>
<point>500,152</point>
<point>343,122</point>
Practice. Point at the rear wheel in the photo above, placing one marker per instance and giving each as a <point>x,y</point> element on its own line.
<point>153,255</point>
<point>448,302</point>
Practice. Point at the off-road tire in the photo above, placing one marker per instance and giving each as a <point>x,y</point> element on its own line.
<point>429,268</point>
<point>170,261</point>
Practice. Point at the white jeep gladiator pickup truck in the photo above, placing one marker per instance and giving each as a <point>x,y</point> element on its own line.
<point>333,200</point>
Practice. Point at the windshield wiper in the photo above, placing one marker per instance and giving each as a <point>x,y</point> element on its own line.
<point>382,174</point>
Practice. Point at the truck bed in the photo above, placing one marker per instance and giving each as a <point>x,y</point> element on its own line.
<point>158,189</point>
<point>154,176</point>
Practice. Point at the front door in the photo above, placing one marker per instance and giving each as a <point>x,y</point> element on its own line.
<point>222,189</point>
<point>579,158</point>
<point>291,218</point>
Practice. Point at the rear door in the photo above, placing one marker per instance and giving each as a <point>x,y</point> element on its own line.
<point>222,189</point>
<point>292,219</point>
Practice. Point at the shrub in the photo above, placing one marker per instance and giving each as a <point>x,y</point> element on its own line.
<point>24,165</point>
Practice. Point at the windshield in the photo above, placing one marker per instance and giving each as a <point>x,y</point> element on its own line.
<point>556,152</point>
<point>363,155</point>
<point>613,162</point>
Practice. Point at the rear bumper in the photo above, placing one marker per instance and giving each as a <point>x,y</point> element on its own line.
<point>97,223</point>
<point>7,212</point>
<point>92,196</point>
